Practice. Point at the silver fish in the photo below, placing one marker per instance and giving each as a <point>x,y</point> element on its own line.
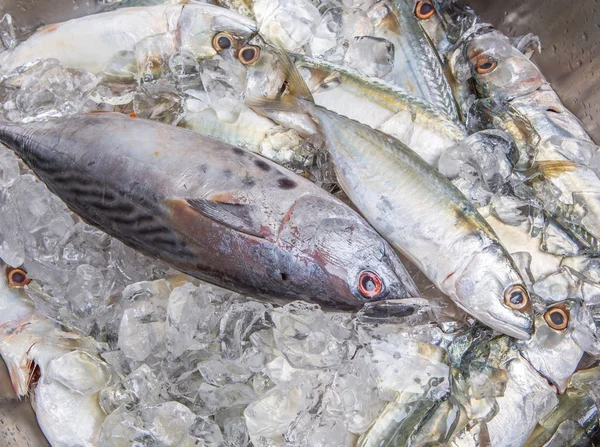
<point>60,369</point>
<point>93,42</point>
<point>558,143</point>
<point>212,210</point>
<point>421,213</point>
<point>381,105</point>
<point>417,69</point>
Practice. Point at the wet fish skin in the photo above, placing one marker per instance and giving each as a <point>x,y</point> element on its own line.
<point>212,210</point>
<point>91,42</point>
<point>381,105</point>
<point>30,341</point>
<point>417,68</point>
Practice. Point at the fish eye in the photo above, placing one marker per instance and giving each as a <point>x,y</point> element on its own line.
<point>248,54</point>
<point>516,297</point>
<point>222,41</point>
<point>369,284</point>
<point>17,277</point>
<point>424,10</point>
<point>485,65</point>
<point>557,318</point>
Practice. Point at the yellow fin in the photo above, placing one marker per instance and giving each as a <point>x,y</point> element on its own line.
<point>553,168</point>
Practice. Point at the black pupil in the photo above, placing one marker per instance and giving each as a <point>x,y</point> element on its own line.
<point>557,318</point>
<point>248,54</point>
<point>368,283</point>
<point>224,42</point>
<point>18,277</point>
<point>486,65</point>
<point>516,298</point>
<point>426,8</point>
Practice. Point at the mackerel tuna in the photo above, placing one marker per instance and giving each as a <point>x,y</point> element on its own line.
<point>210,209</point>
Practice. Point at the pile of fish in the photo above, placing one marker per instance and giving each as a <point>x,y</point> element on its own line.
<point>295,222</point>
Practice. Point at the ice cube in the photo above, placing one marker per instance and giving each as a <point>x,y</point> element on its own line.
<point>225,82</point>
<point>556,240</point>
<point>12,244</point>
<point>240,320</point>
<point>319,430</point>
<point>404,365</point>
<point>271,416</point>
<point>86,290</point>
<point>140,388</point>
<point>372,56</point>
<point>53,91</point>
<point>558,286</point>
<point>80,372</point>
<point>510,210</point>
<point>287,23</point>
<point>302,335</point>
<point>354,399</point>
<point>168,422</point>
<point>120,429</point>
<point>236,432</point>
<point>221,372</point>
<point>142,332</point>
<point>158,101</point>
<point>9,167</point>
<point>7,32</point>
<point>183,315</point>
<point>152,55</point>
<point>212,398</point>
<point>207,432</point>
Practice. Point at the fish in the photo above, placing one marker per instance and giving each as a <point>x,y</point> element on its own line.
<point>575,419</point>
<point>518,99</point>
<point>416,68</point>
<point>59,369</point>
<point>116,38</point>
<point>212,210</point>
<point>503,388</point>
<point>420,212</point>
<point>381,105</point>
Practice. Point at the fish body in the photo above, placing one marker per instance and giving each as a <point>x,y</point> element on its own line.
<point>425,217</point>
<point>559,146</point>
<point>417,68</point>
<point>91,42</point>
<point>381,105</point>
<point>59,369</point>
<point>212,210</point>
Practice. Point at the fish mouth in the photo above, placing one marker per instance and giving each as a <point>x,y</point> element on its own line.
<point>521,331</point>
<point>516,332</point>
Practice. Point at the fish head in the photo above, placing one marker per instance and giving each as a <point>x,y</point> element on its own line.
<point>357,258</point>
<point>499,69</point>
<point>552,350</point>
<point>426,13</point>
<point>206,30</point>
<point>346,262</point>
<point>491,289</point>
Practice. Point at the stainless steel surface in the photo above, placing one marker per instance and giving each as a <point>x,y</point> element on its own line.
<point>570,35</point>
<point>18,426</point>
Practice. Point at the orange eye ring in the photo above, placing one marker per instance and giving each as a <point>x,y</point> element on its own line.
<point>557,317</point>
<point>222,41</point>
<point>424,10</point>
<point>485,65</point>
<point>17,277</point>
<point>248,54</point>
<point>516,297</point>
<point>369,284</point>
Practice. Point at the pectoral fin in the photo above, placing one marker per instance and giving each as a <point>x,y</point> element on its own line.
<point>227,209</point>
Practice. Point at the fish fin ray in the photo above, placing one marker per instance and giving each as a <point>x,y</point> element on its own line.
<point>553,168</point>
<point>229,210</point>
